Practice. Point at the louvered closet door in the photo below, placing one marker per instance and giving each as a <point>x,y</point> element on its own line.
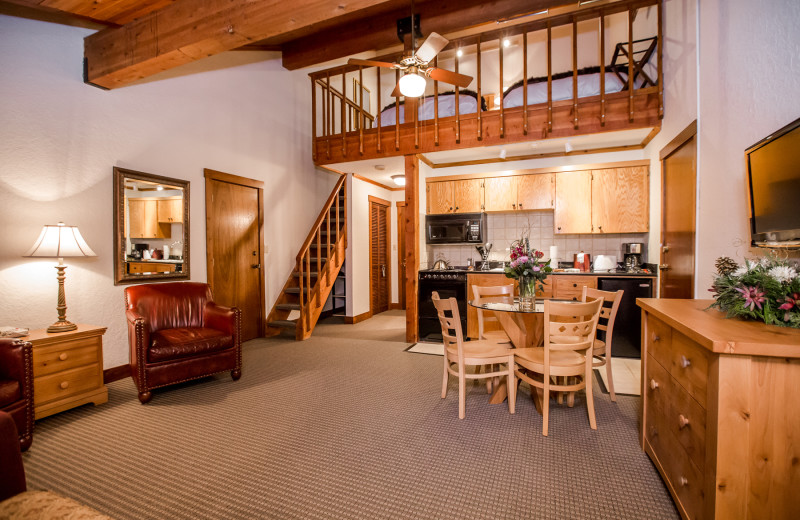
<point>379,255</point>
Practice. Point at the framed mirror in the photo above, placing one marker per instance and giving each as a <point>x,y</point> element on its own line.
<point>151,227</point>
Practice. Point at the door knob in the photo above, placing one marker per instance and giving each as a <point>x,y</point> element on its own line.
<point>663,267</point>
<point>383,270</point>
<point>665,249</point>
<point>256,266</point>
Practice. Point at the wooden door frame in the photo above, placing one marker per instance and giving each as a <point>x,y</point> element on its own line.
<point>401,253</point>
<point>214,175</point>
<point>674,145</point>
<point>381,202</point>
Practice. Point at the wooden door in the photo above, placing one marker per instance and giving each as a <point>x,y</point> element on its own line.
<point>678,188</point>
<point>535,191</point>
<point>440,197</point>
<point>234,234</point>
<point>379,252</point>
<point>500,193</point>
<point>620,200</point>
<point>468,196</point>
<point>573,211</point>
<point>401,257</point>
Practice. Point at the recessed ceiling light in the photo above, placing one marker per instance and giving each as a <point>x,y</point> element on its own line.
<point>160,188</point>
<point>459,53</point>
<point>400,180</point>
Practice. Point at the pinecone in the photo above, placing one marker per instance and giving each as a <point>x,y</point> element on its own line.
<point>726,265</point>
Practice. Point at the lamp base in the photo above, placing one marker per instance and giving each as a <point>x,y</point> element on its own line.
<point>62,326</point>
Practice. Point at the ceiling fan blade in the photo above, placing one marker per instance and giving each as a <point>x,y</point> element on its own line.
<point>454,78</point>
<point>370,63</point>
<point>396,92</point>
<point>428,50</point>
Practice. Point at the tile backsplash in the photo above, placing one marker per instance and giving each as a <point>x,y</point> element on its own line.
<point>504,228</point>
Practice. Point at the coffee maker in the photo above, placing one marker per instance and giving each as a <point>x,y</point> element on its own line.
<point>138,250</point>
<point>633,254</point>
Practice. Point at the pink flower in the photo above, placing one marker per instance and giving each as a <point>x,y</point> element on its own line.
<point>753,297</point>
<point>539,254</point>
<point>536,268</point>
<point>792,301</point>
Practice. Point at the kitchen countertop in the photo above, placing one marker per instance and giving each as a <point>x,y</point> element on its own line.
<point>604,274</point>
<point>152,260</point>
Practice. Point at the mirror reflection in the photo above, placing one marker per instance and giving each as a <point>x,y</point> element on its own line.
<point>152,235</point>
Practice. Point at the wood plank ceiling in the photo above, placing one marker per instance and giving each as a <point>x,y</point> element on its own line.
<point>139,38</point>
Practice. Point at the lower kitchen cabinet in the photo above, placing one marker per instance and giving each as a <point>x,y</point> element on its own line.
<point>570,287</point>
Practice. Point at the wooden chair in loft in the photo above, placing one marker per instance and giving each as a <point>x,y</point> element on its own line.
<point>458,355</point>
<point>569,332</point>
<point>498,293</point>
<point>601,352</point>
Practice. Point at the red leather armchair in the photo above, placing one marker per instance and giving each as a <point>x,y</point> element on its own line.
<point>16,386</point>
<point>177,333</point>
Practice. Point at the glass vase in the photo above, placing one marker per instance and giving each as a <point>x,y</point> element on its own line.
<point>527,293</point>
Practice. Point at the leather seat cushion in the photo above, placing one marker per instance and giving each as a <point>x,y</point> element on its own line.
<point>10,391</point>
<point>171,344</point>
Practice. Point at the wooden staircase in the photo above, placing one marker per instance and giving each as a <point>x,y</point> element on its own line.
<point>318,263</point>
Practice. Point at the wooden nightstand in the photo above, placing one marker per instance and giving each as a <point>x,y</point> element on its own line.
<point>67,369</point>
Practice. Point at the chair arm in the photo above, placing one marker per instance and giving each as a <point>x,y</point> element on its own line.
<point>12,478</point>
<point>138,338</point>
<point>221,318</point>
<point>13,359</point>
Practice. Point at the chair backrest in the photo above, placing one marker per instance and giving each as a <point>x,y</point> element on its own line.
<point>495,293</point>
<point>450,320</point>
<point>169,305</point>
<point>576,328</point>
<point>608,311</point>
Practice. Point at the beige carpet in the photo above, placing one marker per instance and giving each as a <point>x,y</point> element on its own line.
<point>342,427</point>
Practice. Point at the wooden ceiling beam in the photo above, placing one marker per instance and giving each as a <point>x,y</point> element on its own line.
<point>379,31</point>
<point>188,30</point>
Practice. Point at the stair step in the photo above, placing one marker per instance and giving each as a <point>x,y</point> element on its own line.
<point>285,324</point>
<point>313,274</point>
<point>296,290</point>
<point>288,306</point>
<point>338,296</point>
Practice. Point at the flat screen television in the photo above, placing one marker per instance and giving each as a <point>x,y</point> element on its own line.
<point>773,167</point>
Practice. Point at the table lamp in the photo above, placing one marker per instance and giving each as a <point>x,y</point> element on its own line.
<point>60,241</point>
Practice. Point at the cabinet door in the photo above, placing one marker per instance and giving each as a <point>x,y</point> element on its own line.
<point>535,191</point>
<point>170,210</point>
<point>177,210</point>
<point>573,210</point>
<point>500,193</point>
<point>468,196</point>
<point>136,218</point>
<point>620,198</point>
<point>440,197</point>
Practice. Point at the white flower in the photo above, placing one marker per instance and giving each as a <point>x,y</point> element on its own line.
<point>764,262</point>
<point>783,273</point>
<point>741,271</point>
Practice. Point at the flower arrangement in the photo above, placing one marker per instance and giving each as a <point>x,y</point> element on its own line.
<point>526,265</point>
<point>767,290</point>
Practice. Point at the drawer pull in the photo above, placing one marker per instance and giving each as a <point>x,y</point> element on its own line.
<point>574,285</point>
<point>653,384</point>
<point>64,385</point>
<point>63,356</point>
<point>683,421</point>
<point>683,481</point>
<point>685,362</point>
<point>656,337</point>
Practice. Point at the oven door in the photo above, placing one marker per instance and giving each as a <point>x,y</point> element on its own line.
<point>429,327</point>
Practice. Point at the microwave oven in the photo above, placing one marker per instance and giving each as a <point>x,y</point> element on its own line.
<point>460,228</point>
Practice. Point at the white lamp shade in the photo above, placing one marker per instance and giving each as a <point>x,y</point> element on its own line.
<point>59,241</point>
<point>412,85</point>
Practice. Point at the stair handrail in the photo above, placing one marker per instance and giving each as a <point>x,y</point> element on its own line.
<point>318,223</point>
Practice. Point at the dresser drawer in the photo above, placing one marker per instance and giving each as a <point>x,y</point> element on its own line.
<point>73,354</point>
<point>571,287</point>
<point>686,420</point>
<point>686,480</point>
<point>689,366</point>
<point>658,340</point>
<point>67,383</point>
<point>659,387</point>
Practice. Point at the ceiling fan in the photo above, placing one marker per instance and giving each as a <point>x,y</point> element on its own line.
<point>415,67</point>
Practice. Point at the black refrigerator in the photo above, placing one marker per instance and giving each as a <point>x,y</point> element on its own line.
<point>627,334</point>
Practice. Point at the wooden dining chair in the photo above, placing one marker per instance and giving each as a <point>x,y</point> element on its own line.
<point>491,294</point>
<point>601,352</point>
<point>565,361</point>
<point>458,355</point>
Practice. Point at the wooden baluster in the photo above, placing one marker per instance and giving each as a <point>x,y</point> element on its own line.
<point>436,106</point>
<point>524,83</point>
<point>415,106</point>
<point>338,225</point>
<point>549,77</point>
<point>344,115</point>
<point>328,112</point>
<point>319,257</point>
<point>500,92</point>
<point>659,57</point>
<point>630,65</point>
<point>480,126</point>
<point>307,307</point>
<point>314,119</point>
<point>361,118</point>
<point>575,73</point>
<point>397,112</point>
<point>602,70</point>
<point>458,112</point>
<point>378,70</point>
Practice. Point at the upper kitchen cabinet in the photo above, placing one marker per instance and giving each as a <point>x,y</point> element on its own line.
<point>573,208</point>
<point>143,219</point>
<point>463,196</point>
<point>170,210</point>
<point>620,200</point>
<point>519,192</point>
<point>500,193</point>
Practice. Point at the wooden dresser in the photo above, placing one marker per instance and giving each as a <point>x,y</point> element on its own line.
<point>720,416</point>
<point>67,369</point>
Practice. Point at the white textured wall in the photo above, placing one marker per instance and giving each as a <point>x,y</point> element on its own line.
<point>240,113</point>
<point>749,87</point>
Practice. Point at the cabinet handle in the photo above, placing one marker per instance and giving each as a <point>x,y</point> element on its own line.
<point>451,208</point>
<point>600,228</point>
<point>683,481</point>
<point>63,356</point>
<point>520,205</point>
<point>64,385</point>
<point>514,206</point>
<point>559,228</point>
<point>456,208</point>
<point>683,422</point>
<point>575,299</point>
<point>653,384</point>
<point>685,362</point>
<point>574,285</point>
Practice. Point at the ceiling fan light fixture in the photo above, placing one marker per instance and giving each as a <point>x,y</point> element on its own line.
<point>412,85</point>
<point>459,53</point>
<point>506,42</point>
<point>400,180</point>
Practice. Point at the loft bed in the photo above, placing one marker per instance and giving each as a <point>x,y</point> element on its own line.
<point>625,94</point>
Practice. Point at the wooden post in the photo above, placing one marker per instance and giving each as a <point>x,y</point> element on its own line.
<point>575,73</point>
<point>458,118</point>
<point>314,119</point>
<point>549,77</point>
<point>500,92</point>
<point>378,70</point>
<point>361,118</point>
<point>328,112</point>
<point>344,115</point>
<point>524,83</point>
<point>602,70</point>
<point>436,106</point>
<point>412,245</point>
<point>630,64</point>
<point>397,112</point>
<point>659,57</point>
